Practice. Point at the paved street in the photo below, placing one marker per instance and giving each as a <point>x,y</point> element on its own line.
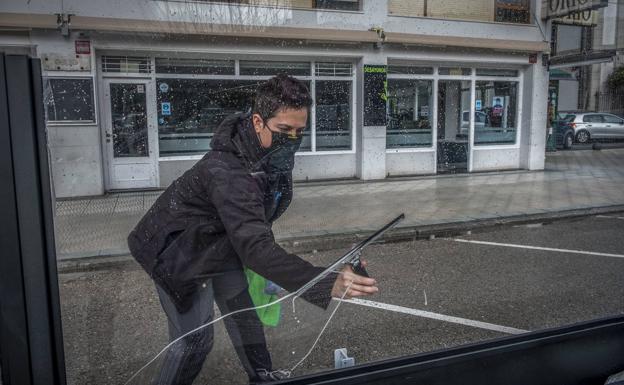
<point>572,180</point>
<point>433,294</point>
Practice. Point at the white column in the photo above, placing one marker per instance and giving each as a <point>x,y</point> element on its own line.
<point>371,140</point>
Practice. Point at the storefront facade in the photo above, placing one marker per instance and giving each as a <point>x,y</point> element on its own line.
<point>134,113</point>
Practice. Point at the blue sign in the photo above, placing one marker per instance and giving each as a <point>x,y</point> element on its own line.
<point>478,105</point>
<point>165,108</point>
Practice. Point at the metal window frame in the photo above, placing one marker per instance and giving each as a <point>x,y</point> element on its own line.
<point>30,315</point>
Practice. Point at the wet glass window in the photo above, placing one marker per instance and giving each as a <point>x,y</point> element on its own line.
<point>496,72</point>
<point>454,71</point>
<point>513,11</point>
<point>409,113</point>
<point>129,119</point>
<point>409,70</point>
<point>190,110</point>
<point>343,5</point>
<point>495,112</point>
<point>126,64</point>
<point>333,115</point>
<point>69,100</point>
<point>194,66</point>
<point>271,68</point>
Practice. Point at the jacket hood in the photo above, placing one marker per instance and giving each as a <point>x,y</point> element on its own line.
<point>236,134</point>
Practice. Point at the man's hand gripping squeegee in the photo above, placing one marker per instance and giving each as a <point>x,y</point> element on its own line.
<point>352,257</point>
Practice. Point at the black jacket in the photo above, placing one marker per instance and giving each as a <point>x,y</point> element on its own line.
<point>222,208</point>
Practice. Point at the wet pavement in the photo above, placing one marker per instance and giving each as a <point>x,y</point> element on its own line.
<point>572,180</point>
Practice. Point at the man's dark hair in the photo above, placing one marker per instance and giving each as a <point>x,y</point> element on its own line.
<point>279,93</point>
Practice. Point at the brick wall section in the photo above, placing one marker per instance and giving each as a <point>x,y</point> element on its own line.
<point>482,10</point>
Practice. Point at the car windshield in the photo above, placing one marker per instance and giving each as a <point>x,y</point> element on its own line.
<point>569,118</point>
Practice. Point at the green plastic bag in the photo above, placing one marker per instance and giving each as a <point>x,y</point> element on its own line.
<point>269,315</point>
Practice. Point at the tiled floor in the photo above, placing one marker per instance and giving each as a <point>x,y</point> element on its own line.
<point>572,180</point>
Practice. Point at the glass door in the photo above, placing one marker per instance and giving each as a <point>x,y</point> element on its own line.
<point>453,126</point>
<point>130,137</point>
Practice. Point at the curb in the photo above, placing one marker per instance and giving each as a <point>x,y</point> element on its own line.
<point>321,242</point>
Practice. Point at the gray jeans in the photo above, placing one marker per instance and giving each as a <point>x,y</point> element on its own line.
<point>184,359</point>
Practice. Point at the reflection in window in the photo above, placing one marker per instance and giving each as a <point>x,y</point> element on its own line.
<point>343,5</point>
<point>129,118</point>
<point>454,71</point>
<point>272,68</point>
<point>68,100</point>
<point>409,113</point>
<point>194,66</point>
<point>333,115</point>
<point>190,110</point>
<point>513,11</point>
<point>495,112</point>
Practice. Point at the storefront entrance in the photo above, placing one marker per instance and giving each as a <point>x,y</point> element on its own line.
<point>130,139</point>
<point>453,126</point>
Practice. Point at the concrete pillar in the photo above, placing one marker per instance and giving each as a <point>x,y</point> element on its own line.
<point>534,117</point>
<point>371,140</point>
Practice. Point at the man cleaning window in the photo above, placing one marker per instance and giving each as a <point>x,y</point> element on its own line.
<point>214,222</point>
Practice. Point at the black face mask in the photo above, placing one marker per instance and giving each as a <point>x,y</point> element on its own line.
<point>283,148</point>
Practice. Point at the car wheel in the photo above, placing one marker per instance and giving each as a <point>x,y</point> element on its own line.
<point>568,141</point>
<point>582,137</point>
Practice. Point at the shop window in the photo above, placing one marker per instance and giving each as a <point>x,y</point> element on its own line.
<point>454,71</point>
<point>496,115</point>
<point>513,11</point>
<point>409,113</point>
<point>126,64</point>
<point>496,72</point>
<point>196,107</point>
<point>265,68</point>
<point>194,66</point>
<point>333,115</point>
<point>69,100</point>
<point>343,5</point>
<point>409,70</point>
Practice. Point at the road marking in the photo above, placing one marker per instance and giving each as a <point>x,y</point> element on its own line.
<point>569,251</point>
<point>609,216</point>
<point>436,316</point>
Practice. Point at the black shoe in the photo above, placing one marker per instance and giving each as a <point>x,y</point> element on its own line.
<point>264,376</point>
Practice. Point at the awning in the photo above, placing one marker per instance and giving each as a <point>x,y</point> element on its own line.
<point>581,59</point>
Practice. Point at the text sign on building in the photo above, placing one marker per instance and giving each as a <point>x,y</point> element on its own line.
<point>375,86</point>
<point>563,8</point>
<point>585,18</point>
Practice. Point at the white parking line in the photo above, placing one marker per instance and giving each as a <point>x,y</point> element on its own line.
<point>436,316</point>
<point>569,251</point>
<point>609,216</point>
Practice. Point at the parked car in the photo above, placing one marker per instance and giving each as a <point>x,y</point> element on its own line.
<point>590,126</point>
<point>564,134</point>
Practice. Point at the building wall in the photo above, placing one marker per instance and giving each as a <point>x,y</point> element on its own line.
<point>482,10</point>
<point>412,8</point>
<point>568,95</point>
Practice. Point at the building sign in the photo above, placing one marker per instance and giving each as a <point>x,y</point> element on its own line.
<point>165,108</point>
<point>552,9</point>
<point>375,86</point>
<point>584,18</point>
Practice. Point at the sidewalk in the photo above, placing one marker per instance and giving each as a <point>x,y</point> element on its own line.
<point>572,180</point>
